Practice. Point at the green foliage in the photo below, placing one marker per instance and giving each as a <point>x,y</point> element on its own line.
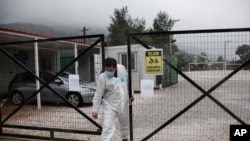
<point>162,22</point>
<point>203,57</point>
<point>220,59</point>
<point>243,52</point>
<point>121,25</point>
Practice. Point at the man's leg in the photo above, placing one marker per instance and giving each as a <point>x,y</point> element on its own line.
<point>108,127</point>
<point>124,124</point>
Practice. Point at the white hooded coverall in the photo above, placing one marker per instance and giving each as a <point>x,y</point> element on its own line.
<point>113,92</point>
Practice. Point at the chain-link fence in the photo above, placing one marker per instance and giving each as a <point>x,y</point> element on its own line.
<point>203,90</point>
<point>50,84</point>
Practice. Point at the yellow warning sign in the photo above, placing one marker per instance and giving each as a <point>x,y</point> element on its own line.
<point>153,62</point>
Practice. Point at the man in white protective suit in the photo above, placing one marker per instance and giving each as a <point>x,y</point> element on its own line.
<point>112,92</point>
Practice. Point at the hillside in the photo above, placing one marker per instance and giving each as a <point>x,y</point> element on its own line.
<point>58,31</point>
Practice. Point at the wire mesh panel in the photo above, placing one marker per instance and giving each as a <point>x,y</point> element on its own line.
<point>50,85</point>
<point>209,93</point>
<point>202,91</point>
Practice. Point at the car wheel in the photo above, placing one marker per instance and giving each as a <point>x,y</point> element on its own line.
<point>17,98</point>
<point>74,99</point>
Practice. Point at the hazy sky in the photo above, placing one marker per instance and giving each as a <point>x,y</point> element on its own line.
<point>193,14</point>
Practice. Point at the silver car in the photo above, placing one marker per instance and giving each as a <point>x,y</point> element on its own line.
<point>23,85</point>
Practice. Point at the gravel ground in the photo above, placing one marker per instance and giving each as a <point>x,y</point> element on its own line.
<point>205,121</point>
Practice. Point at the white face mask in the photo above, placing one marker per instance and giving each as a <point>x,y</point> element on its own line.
<point>109,74</point>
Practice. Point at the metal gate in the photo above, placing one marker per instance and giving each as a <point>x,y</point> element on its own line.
<point>212,88</point>
<point>209,93</point>
<point>57,118</point>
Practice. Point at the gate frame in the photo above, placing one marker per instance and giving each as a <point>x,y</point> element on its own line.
<point>204,93</point>
<point>46,84</point>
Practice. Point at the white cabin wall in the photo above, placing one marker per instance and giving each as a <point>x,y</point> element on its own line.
<point>137,74</point>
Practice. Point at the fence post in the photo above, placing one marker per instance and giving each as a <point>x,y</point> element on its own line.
<point>1,105</point>
<point>1,129</point>
<point>130,87</point>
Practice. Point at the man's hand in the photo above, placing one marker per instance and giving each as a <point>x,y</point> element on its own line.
<point>131,100</point>
<point>94,115</point>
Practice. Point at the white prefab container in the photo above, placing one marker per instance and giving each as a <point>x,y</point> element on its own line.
<point>137,62</point>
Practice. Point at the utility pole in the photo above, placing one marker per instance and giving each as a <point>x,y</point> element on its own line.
<point>84,32</point>
<point>225,53</point>
<point>225,48</point>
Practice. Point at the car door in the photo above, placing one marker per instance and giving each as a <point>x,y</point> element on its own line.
<point>47,94</point>
<point>27,85</point>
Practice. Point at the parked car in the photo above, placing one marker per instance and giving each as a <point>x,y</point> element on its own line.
<point>23,85</point>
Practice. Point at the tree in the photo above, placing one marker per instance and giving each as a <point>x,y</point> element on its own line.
<point>121,24</point>
<point>203,59</point>
<point>163,22</point>
<point>220,59</point>
<point>243,52</point>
